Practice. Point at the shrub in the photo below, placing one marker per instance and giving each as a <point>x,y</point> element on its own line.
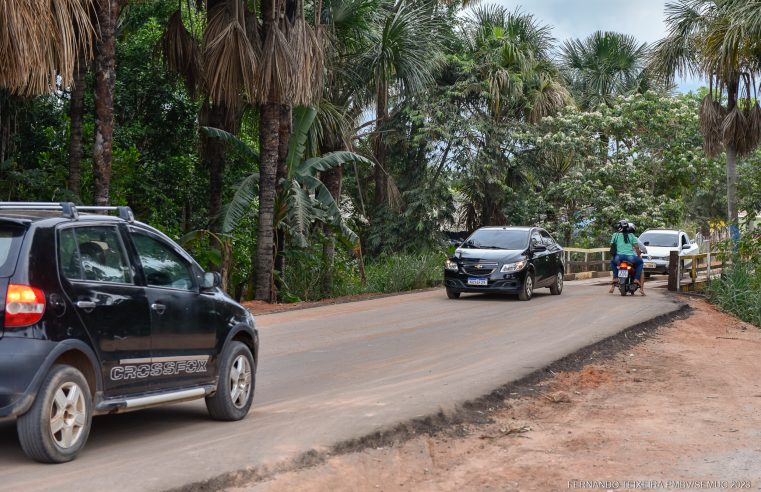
<point>738,291</point>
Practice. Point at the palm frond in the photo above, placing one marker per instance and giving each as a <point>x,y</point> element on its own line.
<point>182,54</point>
<point>246,195</point>
<point>300,212</point>
<point>328,161</point>
<point>328,204</point>
<point>276,74</point>
<point>231,62</point>
<point>303,118</point>
<point>41,42</point>
<point>238,144</point>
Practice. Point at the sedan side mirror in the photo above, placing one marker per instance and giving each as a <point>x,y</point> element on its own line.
<point>539,247</point>
<point>647,243</point>
<point>211,280</point>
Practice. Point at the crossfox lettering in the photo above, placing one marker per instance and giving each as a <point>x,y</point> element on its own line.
<point>142,371</point>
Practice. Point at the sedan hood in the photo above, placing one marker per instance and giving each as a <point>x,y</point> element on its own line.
<point>659,251</point>
<point>498,255</point>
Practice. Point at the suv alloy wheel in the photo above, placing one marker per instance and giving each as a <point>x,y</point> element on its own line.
<point>58,424</point>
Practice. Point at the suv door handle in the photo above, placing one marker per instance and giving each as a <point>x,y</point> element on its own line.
<point>86,305</point>
<point>159,308</point>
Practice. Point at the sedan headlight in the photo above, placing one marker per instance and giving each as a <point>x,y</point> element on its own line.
<point>451,266</point>
<point>513,267</point>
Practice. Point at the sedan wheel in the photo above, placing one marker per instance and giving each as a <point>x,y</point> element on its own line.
<point>528,288</point>
<point>557,288</point>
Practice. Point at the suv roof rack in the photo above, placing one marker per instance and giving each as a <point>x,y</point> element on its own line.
<point>69,209</point>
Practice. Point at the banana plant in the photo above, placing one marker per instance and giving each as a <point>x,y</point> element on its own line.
<point>302,198</point>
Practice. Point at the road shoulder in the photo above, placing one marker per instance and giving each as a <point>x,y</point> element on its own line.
<point>680,406</point>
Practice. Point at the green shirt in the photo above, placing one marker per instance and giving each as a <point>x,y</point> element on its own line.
<point>622,247</point>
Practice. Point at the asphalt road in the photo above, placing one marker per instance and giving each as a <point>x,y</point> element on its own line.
<point>336,372</point>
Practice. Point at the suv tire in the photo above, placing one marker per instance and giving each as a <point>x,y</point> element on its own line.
<point>235,388</point>
<point>453,294</point>
<point>56,428</point>
<point>527,289</point>
<point>557,287</point>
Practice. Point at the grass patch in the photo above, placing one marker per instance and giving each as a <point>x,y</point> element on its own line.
<point>738,291</point>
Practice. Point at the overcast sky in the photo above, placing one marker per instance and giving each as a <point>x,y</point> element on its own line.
<point>643,19</point>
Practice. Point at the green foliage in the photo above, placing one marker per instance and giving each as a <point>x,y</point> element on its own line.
<point>738,291</point>
<point>385,274</point>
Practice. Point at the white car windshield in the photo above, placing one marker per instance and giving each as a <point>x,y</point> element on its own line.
<point>660,239</point>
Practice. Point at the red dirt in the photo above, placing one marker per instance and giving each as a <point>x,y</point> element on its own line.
<point>682,406</point>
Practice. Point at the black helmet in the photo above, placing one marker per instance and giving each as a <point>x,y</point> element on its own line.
<point>621,225</point>
<point>631,227</point>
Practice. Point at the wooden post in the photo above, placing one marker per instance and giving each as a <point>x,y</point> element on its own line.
<point>673,271</point>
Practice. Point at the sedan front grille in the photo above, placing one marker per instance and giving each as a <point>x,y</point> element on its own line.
<point>479,269</point>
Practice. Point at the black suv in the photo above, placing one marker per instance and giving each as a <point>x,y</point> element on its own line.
<point>102,314</point>
<point>510,260</point>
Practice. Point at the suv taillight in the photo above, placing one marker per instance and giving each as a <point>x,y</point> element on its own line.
<point>24,306</point>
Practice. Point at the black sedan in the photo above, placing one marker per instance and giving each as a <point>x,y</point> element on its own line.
<point>509,260</point>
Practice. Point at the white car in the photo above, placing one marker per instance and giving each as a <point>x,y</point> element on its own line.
<point>660,243</point>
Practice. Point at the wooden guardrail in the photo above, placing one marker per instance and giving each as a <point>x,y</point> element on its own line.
<point>594,259</point>
<point>702,268</point>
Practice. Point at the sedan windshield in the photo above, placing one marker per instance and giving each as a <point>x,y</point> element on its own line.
<point>660,239</point>
<point>497,239</point>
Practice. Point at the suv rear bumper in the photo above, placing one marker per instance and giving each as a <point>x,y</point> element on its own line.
<point>22,366</point>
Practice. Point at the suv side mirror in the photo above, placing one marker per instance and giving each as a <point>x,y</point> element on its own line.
<point>646,243</point>
<point>686,246</point>
<point>211,280</point>
<point>539,247</point>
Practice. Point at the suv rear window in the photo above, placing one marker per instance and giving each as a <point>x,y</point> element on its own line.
<point>10,241</point>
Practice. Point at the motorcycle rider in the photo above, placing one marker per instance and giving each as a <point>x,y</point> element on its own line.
<point>626,246</point>
<point>642,251</point>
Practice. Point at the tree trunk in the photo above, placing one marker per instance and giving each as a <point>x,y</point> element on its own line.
<point>381,113</point>
<point>212,154</point>
<point>268,157</point>
<point>107,12</point>
<point>76,115</point>
<point>732,186</point>
<point>733,88</point>
<point>284,133</point>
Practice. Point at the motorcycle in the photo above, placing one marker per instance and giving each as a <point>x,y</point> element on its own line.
<point>626,278</point>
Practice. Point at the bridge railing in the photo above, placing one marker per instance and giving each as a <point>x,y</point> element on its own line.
<point>579,260</point>
<point>700,269</point>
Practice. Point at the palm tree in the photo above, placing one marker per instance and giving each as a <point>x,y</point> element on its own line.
<point>107,12</point>
<point>40,41</point>
<point>303,198</point>
<point>512,56</point>
<point>514,81</point>
<point>603,66</point>
<point>403,52</point>
<point>254,53</point>
<point>348,26</point>
<point>718,41</point>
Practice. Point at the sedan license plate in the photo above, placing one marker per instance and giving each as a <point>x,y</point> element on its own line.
<point>650,265</point>
<point>623,273</point>
<point>478,281</point>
